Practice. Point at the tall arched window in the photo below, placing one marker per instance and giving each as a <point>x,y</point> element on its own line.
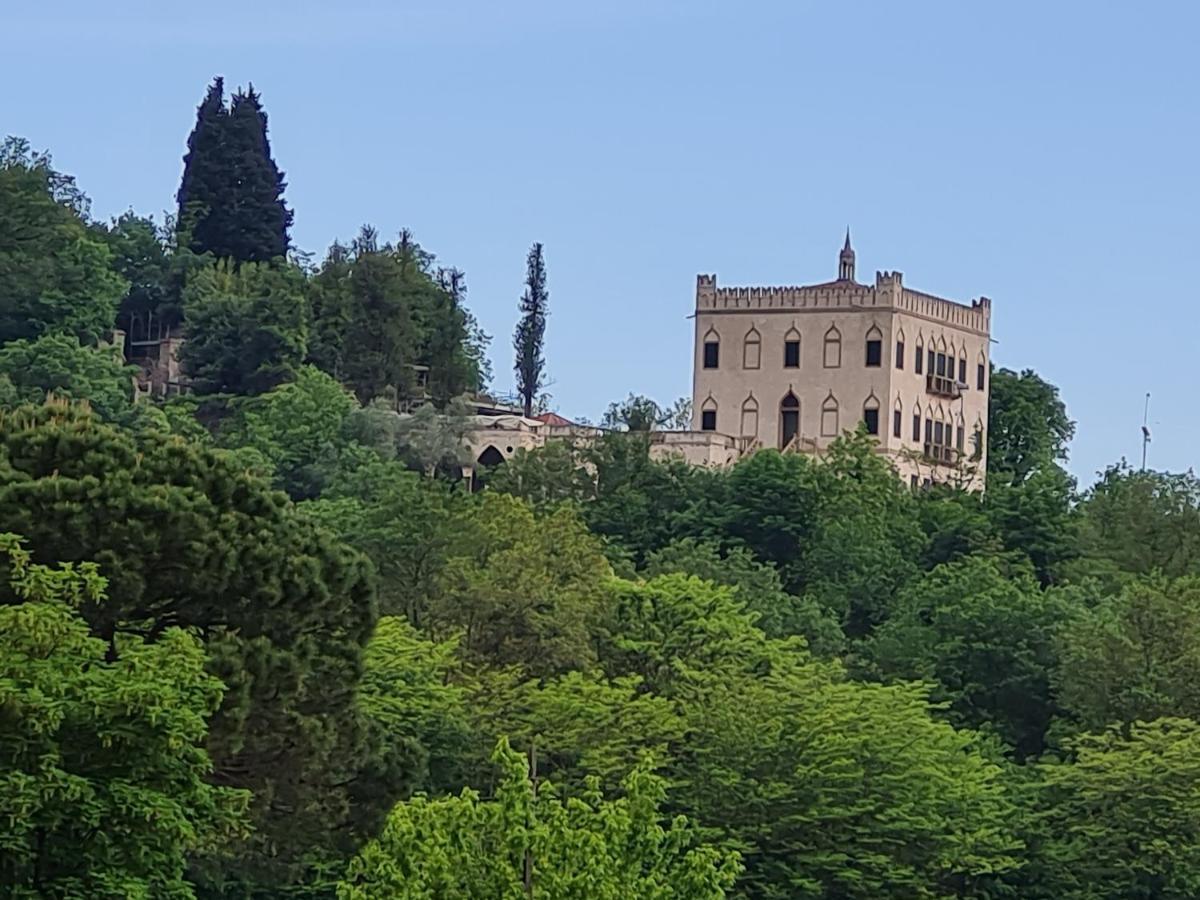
<point>874,348</point>
<point>962,365</point>
<point>833,348</point>
<point>916,421</point>
<point>829,416</point>
<point>980,372</point>
<point>752,349</point>
<point>712,349</point>
<point>919,357</point>
<point>900,349</point>
<point>897,419</point>
<point>789,419</point>
<point>871,414</point>
<point>940,359</point>
<point>708,414</point>
<point>791,349</point>
<point>750,417</point>
<point>960,434</point>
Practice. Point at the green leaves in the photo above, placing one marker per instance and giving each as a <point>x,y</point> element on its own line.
<point>247,327</point>
<point>55,275</point>
<point>1122,819</point>
<point>103,772</point>
<point>526,842</point>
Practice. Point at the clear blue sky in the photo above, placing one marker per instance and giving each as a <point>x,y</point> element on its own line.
<point>1043,154</point>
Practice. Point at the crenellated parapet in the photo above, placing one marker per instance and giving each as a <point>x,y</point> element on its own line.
<point>888,292</point>
<point>833,295</point>
<point>977,317</point>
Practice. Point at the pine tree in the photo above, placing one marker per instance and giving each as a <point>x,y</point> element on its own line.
<point>529,338</point>
<point>231,197</point>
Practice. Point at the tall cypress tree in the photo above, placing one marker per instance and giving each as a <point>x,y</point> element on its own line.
<point>529,338</point>
<point>263,218</point>
<point>231,196</point>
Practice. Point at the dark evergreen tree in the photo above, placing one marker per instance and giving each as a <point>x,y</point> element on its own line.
<point>529,338</point>
<point>231,198</point>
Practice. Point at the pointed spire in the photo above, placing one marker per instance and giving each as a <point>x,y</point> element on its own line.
<point>846,260</point>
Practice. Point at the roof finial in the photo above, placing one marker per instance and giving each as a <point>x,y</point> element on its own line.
<point>846,260</point>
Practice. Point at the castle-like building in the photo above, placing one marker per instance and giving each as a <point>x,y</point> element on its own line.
<point>791,368</point>
<point>795,367</point>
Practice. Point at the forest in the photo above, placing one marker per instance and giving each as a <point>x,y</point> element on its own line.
<point>257,641</point>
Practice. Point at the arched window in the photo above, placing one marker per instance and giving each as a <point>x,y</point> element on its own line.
<point>960,433</point>
<point>789,419</point>
<point>919,358</point>
<point>752,349</point>
<point>712,349</point>
<point>962,365</point>
<point>490,457</point>
<point>939,366</point>
<point>897,418</point>
<point>916,420</point>
<point>833,348</point>
<point>708,414</point>
<point>829,416</point>
<point>929,425</point>
<point>981,372</point>
<point>977,440</point>
<point>874,348</point>
<point>900,349</point>
<point>791,349</point>
<point>939,427</point>
<point>750,417</point>
<point>871,414</point>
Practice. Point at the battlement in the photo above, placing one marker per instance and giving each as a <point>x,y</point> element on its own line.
<point>976,317</point>
<point>832,295</point>
<point>888,292</point>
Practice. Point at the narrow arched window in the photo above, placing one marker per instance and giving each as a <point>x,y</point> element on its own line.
<point>752,349</point>
<point>750,417</point>
<point>962,366</point>
<point>791,349</point>
<point>712,349</point>
<point>919,358</point>
<point>833,348</point>
<point>789,419</point>
<point>900,349</point>
<point>897,419</point>
<point>980,373</point>
<point>874,348</point>
<point>708,415</point>
<point>829,417</point>
<point>871,415</point>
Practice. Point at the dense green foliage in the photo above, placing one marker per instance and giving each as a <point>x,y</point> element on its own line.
<point>530,843</point>
<point>231,198</point>
<point>55,273</point>
<point>261,641</point>
<point>100,739</point>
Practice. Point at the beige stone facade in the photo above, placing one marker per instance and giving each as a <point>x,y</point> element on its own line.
<point>794,367</point>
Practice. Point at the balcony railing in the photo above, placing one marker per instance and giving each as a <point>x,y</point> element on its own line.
<point>939,453</point>
<point>943,386</point>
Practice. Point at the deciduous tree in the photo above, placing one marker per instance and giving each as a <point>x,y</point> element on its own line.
<point>56,274</point>
<point>529,843</point>
<point>103,771</point>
